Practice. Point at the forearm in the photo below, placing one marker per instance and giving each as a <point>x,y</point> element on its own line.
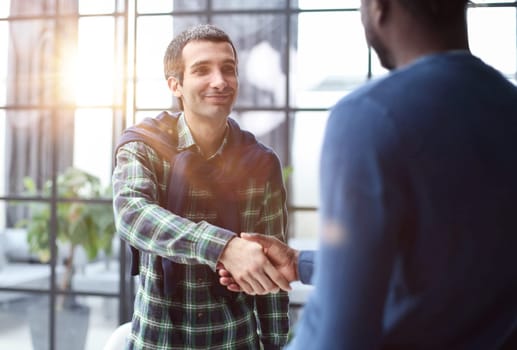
<point>157,231</point>
<point>145,225</point>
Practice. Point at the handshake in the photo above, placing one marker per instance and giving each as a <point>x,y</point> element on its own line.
<point>257,264</point>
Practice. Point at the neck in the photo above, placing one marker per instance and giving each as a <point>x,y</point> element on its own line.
<point>208,134</point>
<point>418,41</point>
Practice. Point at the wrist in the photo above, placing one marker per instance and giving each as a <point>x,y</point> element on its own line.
<point>226,252</point>
<point>296,257</point>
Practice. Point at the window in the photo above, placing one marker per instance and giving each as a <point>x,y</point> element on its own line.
<point>75,73</point>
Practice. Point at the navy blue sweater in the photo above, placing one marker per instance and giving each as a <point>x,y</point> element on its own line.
<point>419,213</point>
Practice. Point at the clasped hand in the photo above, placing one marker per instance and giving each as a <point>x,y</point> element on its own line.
<point>257,264</point>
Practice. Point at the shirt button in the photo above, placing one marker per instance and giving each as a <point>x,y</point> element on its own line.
<point>199,314</point>
<point>199,280</point>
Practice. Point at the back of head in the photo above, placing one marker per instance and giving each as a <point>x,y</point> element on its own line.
<point>436,12</point>
<point>173,64</point>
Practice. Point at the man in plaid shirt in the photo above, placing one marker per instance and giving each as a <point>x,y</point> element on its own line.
<point>185,186</point>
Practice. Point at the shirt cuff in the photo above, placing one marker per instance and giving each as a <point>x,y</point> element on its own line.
<point>218,241</point>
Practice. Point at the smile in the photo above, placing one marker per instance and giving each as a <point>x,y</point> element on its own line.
<point>218,95</point>
<point>219,98</point>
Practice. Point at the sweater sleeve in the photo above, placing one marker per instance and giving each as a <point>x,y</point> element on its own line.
<point>306,266</point>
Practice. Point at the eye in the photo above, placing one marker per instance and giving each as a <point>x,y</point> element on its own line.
<point>200,70</point>
<point>228,69</point>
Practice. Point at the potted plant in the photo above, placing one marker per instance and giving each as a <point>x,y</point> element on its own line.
<point>79,224</point>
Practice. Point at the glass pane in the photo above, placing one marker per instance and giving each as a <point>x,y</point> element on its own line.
<point>94,157</point>
<point>15,8</point>
<point>24,322</point>
<point>17,327</point>
<point>260,43</point>
<point>31,8</point>
<point>31,149</point>
<point>492,33</point>
<point>154,6</point>
<point>72,324</point>
<point>153,92</point>
<point>327,4</point>
<point>87,240</point>
<point>303,229</point>
<point>35,75</point>
<point>325,70</point>
<point>180,23</point>
<point>4,9</point>
<point>3,216</point>
<point>121,71</point>
<point>3,157</point>
<point>31,78</point>
<point>248,4</point>
<point>101,274</point>
<point>85,248</point>
<point>25,251</point>
<point>307,139</point>
<point>268,127</point>
<point>96,6</point>
<point>151,88</point>
<point>4,32</point>
<point>95,72</point>
<point>165,6</point>
<point>103,321</point>
<point>86,325</point>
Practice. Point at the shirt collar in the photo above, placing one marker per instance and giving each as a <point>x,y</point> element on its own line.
<point>186,140</point>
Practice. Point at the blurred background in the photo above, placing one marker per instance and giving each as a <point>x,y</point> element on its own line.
<point>75,73</point>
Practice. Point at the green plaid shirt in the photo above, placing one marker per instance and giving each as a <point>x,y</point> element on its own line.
<point>194,318</point>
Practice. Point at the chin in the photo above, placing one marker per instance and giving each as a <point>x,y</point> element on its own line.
<point>385,59</point>
<point>219,112</point>
<point>388,65</point>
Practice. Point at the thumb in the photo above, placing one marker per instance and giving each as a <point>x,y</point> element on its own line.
<point>257,238</point>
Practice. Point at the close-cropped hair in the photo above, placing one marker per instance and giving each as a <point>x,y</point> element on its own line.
<point>173,64</point>
<point>436,11</point>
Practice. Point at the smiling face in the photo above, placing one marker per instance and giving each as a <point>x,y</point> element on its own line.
<point>209,86</point>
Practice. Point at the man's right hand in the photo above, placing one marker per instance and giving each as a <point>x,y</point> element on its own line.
<point>250,268</point>
<point>281,256</point>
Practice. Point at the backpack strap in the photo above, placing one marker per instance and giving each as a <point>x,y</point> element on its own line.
<point>160,134</point>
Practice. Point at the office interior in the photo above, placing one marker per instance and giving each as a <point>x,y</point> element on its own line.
<point>75,73</point>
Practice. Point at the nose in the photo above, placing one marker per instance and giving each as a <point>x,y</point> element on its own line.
<point>218,80</point>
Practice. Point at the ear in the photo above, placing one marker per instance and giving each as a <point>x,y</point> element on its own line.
<point>380,10</point>
<point>175,86</point>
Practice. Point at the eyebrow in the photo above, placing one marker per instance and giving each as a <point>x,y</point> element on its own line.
<point>205,62</point>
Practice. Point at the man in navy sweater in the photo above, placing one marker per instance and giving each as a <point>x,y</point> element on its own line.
<point>419,184</point>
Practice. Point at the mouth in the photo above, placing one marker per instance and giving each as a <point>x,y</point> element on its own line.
<point>219,97</point>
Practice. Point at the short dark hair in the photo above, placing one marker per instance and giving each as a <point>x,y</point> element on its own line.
<point>173,64</point>
<point>436,11</point>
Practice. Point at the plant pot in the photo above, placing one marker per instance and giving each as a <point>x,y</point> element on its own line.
<point>71,326</point>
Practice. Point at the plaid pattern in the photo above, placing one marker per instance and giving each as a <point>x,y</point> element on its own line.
<point>194,318</point>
